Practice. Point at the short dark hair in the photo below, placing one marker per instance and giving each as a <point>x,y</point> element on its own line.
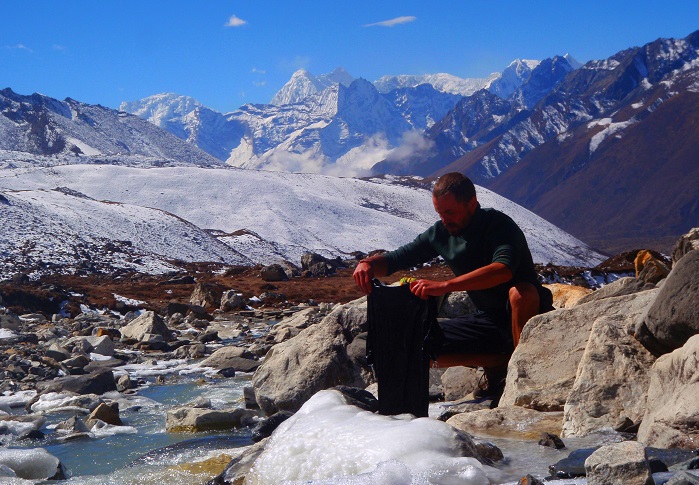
<point>454,183</point>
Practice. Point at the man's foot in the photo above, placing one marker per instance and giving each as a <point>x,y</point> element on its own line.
<point>491,385</point>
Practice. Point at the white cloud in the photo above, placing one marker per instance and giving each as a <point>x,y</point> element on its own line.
<point>235,21</point>
<point>19,47</point>
<point>393,22</point>
<point>258,71</point>
<point>413,144</point>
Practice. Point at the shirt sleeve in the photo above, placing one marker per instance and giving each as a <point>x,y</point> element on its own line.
<point>503,241</point>
<point>418,251</point>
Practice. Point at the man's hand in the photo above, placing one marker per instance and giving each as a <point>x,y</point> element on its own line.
<point>425,288</point>
<point>363,274</point>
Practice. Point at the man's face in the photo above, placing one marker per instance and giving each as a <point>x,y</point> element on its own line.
<point>455,215</point>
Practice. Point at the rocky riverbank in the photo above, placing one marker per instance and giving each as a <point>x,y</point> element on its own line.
<point>619,360</point>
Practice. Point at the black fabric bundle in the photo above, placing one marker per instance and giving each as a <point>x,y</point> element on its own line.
<point>402,337</point>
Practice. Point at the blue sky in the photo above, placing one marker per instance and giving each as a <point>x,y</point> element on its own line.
<point>227,53</point>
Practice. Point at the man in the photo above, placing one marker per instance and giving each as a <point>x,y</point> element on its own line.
<point>490,258</point>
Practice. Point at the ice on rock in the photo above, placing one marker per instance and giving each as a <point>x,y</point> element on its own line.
<point>31,464</point>
<point>327,439</point>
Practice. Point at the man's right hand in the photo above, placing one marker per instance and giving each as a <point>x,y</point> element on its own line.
<point>363,274</point>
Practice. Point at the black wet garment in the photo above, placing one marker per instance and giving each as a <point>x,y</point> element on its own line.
<point>399,347</point>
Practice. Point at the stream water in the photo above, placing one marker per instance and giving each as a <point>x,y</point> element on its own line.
<point>142,451</point>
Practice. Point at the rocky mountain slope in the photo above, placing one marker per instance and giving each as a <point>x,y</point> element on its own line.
<point>39,125</point>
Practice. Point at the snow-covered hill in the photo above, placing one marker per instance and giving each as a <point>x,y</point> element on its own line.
<point>229,215</point>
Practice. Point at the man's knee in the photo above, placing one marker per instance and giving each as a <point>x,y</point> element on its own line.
<point>524,294</point>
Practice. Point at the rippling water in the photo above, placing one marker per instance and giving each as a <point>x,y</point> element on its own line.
<point>149,454</point>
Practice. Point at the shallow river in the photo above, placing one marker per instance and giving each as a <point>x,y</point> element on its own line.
<point>142,452</point>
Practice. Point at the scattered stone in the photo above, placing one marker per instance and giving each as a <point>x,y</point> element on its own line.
<point>511,421</point>
<point>194,420</point>
<point>683,478</point>
<point>571,466</point>
<point>458,382</point>
<point>551,440</point>
<point>150,323</point>
<point>74,425</point>
<point>108,413</point>
<point>95,383</point>
<point>249,397</point>
<point>266,427</point>
<point>620,463</point>
<point>232,300</point>
<point>206,295</point>
<point>456,303</point>
<point>58,352</point>
<point>273,272</point>
<point>489,453</point>
<point>231,357</point>
<point>530,480</point>
<point>650,268</point>
<point>124,383</point>
<point>9,321</point>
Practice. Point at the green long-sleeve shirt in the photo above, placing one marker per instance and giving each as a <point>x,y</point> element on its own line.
<point>491,237</point>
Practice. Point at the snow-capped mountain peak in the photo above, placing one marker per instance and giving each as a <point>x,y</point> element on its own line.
<point>161,108</point>
<point>304,84</point>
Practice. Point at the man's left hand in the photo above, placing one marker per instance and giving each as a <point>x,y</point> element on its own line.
<point>425,288</point>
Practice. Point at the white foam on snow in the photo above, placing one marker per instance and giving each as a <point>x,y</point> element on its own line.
<point>329,441</point>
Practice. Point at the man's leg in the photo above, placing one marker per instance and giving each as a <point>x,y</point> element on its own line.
<point>524,301</point>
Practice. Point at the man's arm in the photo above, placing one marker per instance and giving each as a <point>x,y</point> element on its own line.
<point>368,269</point>
<point>480,279</point>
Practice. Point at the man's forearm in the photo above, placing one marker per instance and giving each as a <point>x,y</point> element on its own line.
<point>483,278</point>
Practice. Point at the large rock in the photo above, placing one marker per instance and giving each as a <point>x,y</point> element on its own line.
<point>649,267</point>
<point>273,272</point>
<point>315,359</point>
<point>150,323</point>
<point>193,420</point>
<point>232,300</point>
<point>543,367</point>
<point>232,357</point>
<point>99,345</point>
<point>459,381</point>
<point>622,463</point>
<point>95,383</point>
<point>672,416</point>
<point>612,380</point>
<point>627,285</point>
<point>674,316</point>
<point>206,295</point>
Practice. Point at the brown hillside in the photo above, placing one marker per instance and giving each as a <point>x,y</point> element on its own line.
<point>640,188</point>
